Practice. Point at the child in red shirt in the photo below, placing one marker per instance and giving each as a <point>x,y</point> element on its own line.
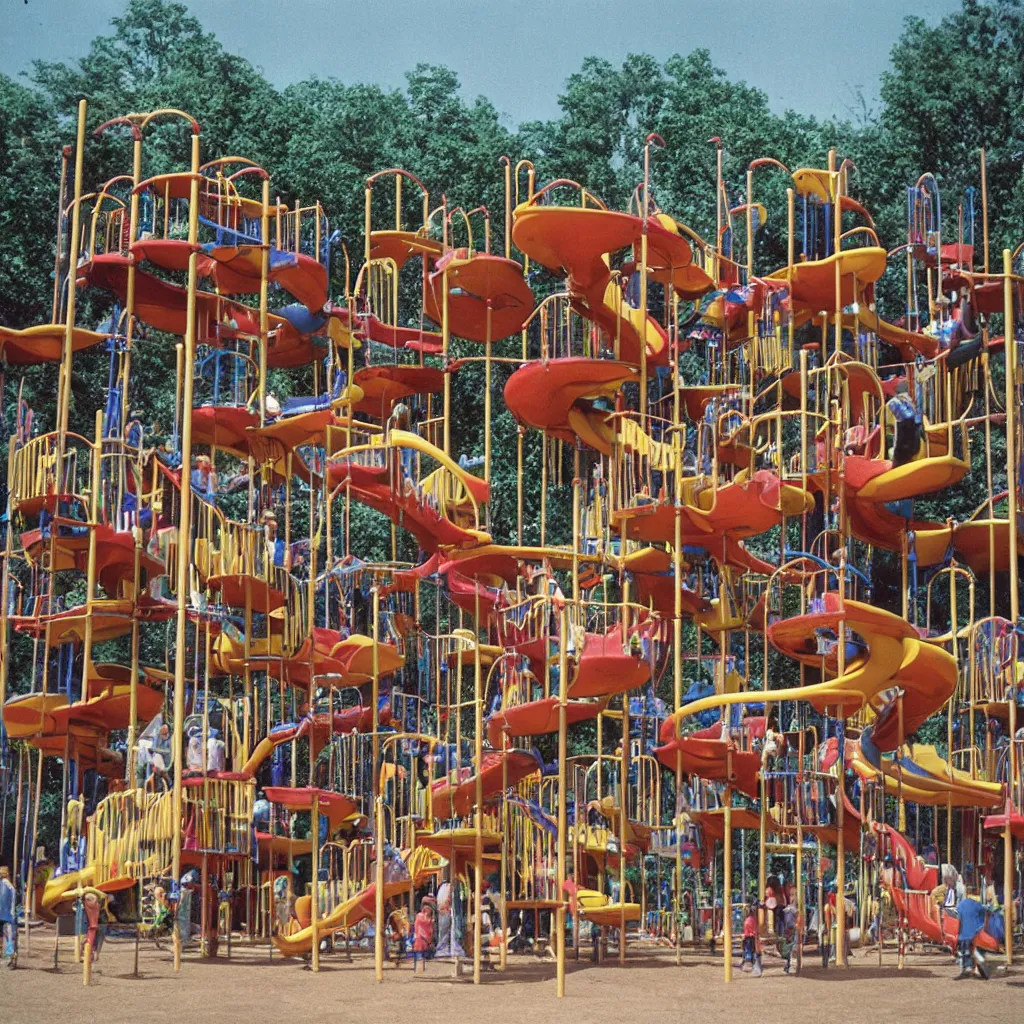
<point>423,933</point>
<point>751,954</point>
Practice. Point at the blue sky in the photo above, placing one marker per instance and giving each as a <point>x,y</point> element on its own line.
<point>811,56</point>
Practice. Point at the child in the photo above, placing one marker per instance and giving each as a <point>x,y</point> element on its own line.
<point>787,941</point>
<point>976,917</point>
<point>423,933</point>
<point>8,919</point>
<point>828,935</point>
<point>750,953</point>
<point>397,934</point>
<point>93,925</point>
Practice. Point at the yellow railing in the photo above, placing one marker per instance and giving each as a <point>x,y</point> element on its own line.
<point>36,475</point>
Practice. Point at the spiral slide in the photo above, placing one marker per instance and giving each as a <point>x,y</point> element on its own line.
<point>578,241</point>
<point>413,504</point>
<point>558,396</point>
<point>601,665</point>
<point>706,753</point>
<point>347,720</point>
<point>894,657</point>
<point>456,797</point>
<point>543,394</point>
<point>872,484</point>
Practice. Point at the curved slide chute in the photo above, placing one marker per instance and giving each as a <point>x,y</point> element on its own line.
<point>894,657</point>
<point>360,907</point>
<point>579,240</point>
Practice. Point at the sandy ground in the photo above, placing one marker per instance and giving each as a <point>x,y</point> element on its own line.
<point>651,987</point>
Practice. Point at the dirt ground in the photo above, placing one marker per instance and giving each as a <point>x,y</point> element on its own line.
<point>651,987</point>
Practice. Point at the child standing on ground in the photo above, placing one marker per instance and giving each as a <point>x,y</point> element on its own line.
<point>787,941</point>
<point>750,938</point>
<point>8,919</point>
<point>423,934</point>
<point>828,934</point>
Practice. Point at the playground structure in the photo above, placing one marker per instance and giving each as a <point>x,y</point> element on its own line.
<point>556,734</point>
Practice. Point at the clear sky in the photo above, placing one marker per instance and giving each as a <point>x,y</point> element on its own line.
<point>811,55</point>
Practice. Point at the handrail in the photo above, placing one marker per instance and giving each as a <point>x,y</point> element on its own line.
<point>569,183</point>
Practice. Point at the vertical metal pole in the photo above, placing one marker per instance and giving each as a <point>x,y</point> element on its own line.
<point>727,872</point>
<point>563,670</point>
<point>184,529</point>
<point>840,838</point>
<point>314,910</point>
<point>64,391</point>
<point>478,796</point>
<point>1010,348</point>
<point>378,802</point>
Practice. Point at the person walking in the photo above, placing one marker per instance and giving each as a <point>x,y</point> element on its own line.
<point>8,919</point>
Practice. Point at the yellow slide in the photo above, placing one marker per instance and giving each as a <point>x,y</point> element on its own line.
<point>895,656</point>
<point>596,908</point>
<point>923,777</point>
<point>614,307</point>
<point>58,888</point>
<point>597,429</point>
<point>360,907</point>
<point>62,890</point>
<point>264,749</point>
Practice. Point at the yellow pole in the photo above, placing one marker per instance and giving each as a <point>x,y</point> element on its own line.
<point>790,257</point>
<point>507,163</point>
<point>643,284</point>
<point>5,583</point>
<point>799,867</point>
<point>1011,426</point>
<point>90,575</point>
<point>984,210</point>
<point>750,224</point>
<point>314,912</point>
<point>623,810</point>
<point>133,683</point>
<point>264,297</point>
<point>718,208</point>
<point>677,665</point>
<point>505,840</point>
<point>563,671</point>
<point>840,839</point>
<point>133,693</point>
<point>727,875</point>
<point>1011,780</point>
<point>478,821</point>
<point>1009,333</point>
<point>762,860</point>
<point>378,825</point>
<point>184,529</point>
<point>751,328</point>
<point>64,395</point>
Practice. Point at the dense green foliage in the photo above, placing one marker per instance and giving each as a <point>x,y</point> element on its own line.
<point>951,88</point>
